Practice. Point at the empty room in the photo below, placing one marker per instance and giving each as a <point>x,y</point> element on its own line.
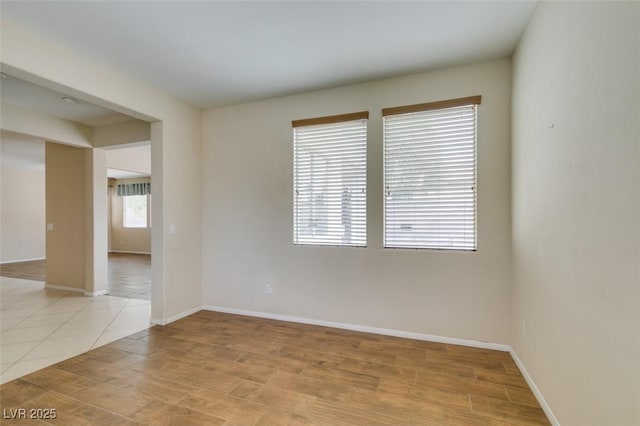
<point>375,212</point>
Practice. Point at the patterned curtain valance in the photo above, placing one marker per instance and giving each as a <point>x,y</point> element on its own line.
<point>125,189</point>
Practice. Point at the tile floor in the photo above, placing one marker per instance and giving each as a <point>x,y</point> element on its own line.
<point>41,327</point>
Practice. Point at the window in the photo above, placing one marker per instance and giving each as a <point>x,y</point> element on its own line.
<point>430,175</point>
<point>134,211</point>
<point>329,180</point>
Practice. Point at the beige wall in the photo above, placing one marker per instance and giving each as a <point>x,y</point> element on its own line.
<point>247,217</point>
<point>576,209</point>
<point>22,213</point>
<point>132,240</point>
<point>175,145</point>
<point>134,159</point>
<point>66,205</point>
<point>128,132</point>
<point>24,121</point>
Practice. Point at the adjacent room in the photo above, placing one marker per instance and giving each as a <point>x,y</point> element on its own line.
<point>44,210</point>
<point>321,212</point>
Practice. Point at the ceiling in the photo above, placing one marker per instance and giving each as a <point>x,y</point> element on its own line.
<point>214,53</point>
<point>15,91</point>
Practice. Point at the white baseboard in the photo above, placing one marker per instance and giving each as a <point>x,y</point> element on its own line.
<point>63,288</point>
<point>175,317</point>
<point>363,328</point>
<point>96,293</point>
<point>129,252</point>
<point>545,407</point>
<point>6,262</point>
<point>76,290</point>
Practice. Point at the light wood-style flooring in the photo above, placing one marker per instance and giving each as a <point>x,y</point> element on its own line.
<point>35,270</point>
<point>129,274</point>
<point>214,368</point>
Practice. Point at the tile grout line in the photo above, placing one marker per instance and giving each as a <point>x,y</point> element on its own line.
<point>60,326</point>
<point>49,335</point>
<point>42,340</point>
<point>110,322</point>
<point>38,311</point>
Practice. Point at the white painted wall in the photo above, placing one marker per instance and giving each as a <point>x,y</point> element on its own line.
<point>22,212</point>
<point>247,217</point>
<point>576,209</point>
<point>20,120</point>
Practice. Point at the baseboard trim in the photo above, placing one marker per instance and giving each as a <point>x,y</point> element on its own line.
<point>536,392</point>
<point>63,288</point>
<point>362,328</point>
<point>129,252</point>
<point>76,290</point>
<point>6,262</point>
<point>175,317</point>
<point>96,293</point>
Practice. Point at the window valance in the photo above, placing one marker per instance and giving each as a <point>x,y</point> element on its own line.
<point>138,188</point>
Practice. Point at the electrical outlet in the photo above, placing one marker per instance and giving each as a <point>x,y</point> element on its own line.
<point>267,289</point>
<point>523,328</point>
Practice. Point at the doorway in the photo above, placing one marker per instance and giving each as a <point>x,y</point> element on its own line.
<point>129,221</point>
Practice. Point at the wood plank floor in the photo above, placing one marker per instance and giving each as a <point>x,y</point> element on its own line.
<point>34,270</point>
<point>129,274</point>
<point>213,368</point>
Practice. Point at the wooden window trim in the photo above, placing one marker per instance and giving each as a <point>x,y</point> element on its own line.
<point>450,103</point>
<point>331,119</point>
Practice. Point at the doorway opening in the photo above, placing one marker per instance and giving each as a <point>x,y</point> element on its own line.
<point>129,221</point>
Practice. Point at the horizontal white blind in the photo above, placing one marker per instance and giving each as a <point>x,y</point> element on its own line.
<point>430,179</point>
<point>330,161</point>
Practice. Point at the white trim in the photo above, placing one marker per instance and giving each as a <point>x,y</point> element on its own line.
<point>129,252</point>
<point>536,392</point>
<point>63,288</point>
<point>5,262</point>
<point>96,293</point>
<point>176,317</point>
<point>363,328</point>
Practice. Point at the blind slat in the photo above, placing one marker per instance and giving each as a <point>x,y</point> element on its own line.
<point>329,199</point>
<point>430,176</point>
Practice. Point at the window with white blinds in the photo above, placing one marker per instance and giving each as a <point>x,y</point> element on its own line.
<point>329,180</point>
<point>430,175</point>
